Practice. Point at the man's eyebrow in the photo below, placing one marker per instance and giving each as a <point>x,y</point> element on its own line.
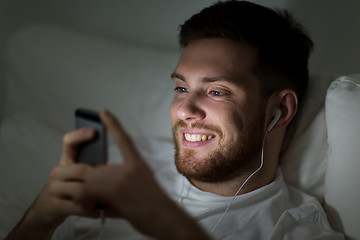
<point>215,79</point>
<point>205,79</point>
<point>177,75</point>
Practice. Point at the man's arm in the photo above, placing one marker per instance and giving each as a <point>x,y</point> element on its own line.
<point>29,228</point>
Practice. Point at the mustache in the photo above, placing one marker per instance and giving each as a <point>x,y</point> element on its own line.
<point>198,125</point>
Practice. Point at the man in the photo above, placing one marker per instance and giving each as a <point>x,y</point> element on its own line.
<point>238,84</point>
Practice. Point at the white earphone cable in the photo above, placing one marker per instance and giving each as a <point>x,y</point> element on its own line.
<point>242,185</point>
<point>102,219</point>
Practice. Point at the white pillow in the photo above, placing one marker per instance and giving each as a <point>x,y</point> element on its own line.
<point>55,70</point>
<point>342,182</point>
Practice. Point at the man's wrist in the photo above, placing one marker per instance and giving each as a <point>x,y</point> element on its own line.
<point>30,227</point>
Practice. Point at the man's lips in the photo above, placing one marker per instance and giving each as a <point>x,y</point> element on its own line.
<point>196,138</point>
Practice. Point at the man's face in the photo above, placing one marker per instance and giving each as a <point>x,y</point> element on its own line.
<point>217,118</point>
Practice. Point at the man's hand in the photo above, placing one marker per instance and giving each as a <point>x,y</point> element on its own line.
<point>128,190</point>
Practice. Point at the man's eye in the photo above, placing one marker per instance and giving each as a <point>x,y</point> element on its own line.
<point>216,93</point>
<point>180,90</point>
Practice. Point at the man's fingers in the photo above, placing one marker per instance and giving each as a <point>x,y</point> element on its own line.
<point>70,173</point>
<point>70,190</point>
<point>71,141</point>
<point>69,207</point>
<point>122,139</point>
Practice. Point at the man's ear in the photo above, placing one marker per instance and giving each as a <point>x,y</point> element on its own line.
<point>285,100</point>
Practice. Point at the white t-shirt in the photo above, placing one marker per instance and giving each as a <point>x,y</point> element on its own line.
<point>276,211</point>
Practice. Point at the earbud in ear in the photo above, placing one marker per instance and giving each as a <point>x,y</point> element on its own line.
<point>274,121</point>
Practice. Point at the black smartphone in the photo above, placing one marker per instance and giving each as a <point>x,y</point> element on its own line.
<point>93,152</point>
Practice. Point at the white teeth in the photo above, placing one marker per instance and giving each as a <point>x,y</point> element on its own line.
<point>196,137</point>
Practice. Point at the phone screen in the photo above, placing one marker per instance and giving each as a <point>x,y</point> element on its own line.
<point>93,152</point>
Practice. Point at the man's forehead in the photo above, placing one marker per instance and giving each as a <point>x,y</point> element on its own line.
<point>220,48</point>
<point>216,60</point>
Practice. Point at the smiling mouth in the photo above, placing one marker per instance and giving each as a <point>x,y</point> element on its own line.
<point>197,137</point>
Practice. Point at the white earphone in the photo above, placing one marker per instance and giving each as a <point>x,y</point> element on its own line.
<point>274,121</point>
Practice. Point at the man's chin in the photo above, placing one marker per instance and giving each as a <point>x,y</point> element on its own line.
<point>193,155</point>
<point>196,167</point>
<point>188,159</point>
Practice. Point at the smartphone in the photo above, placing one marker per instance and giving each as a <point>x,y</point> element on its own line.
<point>93,152</point>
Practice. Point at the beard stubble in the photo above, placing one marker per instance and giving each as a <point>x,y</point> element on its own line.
<point>229,160</point>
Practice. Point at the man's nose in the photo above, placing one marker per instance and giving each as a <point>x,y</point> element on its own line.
<point>191,109</point>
